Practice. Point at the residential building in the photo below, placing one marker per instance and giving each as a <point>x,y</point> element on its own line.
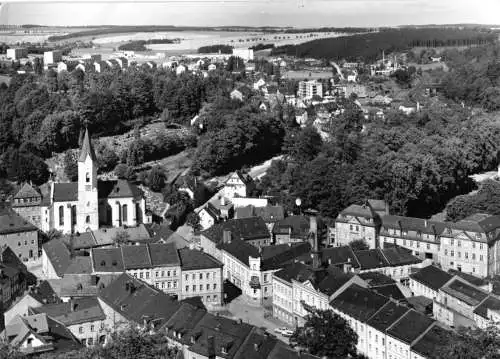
<point>26,202</point>
<point>427,281</point>
<point>19,235</point>
<point>84,317</point>
<point>201,277</point>
<point>38,334</point>
<point>258,84</point>
<point>179,70</point>
<point>238,185</point>
<point>244,53</point>
<point>55,259</point>
<point>52,57</point>
<point>295,229</point>
<point>270,214</point>
<point>13,277</point>
<point>358,222</point>
<point>156,264</point>
<point>310,89</point>
<point>487,313</point>
<point>251,268</point>
<point>17,53</point>
<point>430,342</point>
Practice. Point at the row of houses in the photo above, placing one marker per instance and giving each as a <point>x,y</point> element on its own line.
<point>470,245</point>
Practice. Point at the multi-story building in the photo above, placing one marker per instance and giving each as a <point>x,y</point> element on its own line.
<point>358,222</point>
<point>427,281</point>
<point>17,53</point>
<point>471,245</point>
<point>238,184</point>
<point>51,57</point>
<point>309,89</point>
<point>84,317</point>
<point>201,277</point>
<point>18,234</point>
<point>251,268</point>
<point>27,203</point>
<point>13,277</point>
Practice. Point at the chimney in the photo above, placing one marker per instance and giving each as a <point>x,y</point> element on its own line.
<point>211,347</point>
<point>72,304</point>
<point>425,223</point>
<point>226,236</point>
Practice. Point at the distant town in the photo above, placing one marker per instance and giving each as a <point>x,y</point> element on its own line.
<point>269,199</point>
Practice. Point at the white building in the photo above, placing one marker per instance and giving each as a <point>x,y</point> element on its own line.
<point>309,89</point>
<point>51,57</point>
<point>244,53</point>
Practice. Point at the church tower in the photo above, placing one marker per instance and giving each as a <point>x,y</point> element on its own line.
<point>87,216</point>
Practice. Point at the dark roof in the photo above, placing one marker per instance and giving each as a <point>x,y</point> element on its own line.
<point>431,277</point>
<point>107,260</point>
<point>226,332</point>
<point>410,326</point>
<point>479,282</point>
<point>399,256</point>
<point>240,250</point>
<point>159,231</point>
<point>195,301</point>
<point>429,344</point>
<point>420,303</point>
<point>358,302</point>
<point>464,292</point>
<point>273,257</point>
<point>339,255</point>
<point>163,254</point>
<point>118,189</point>
<point>479,222</point>
<point>11,222</point>
<point>65,192</point>
<point>371,259</point>
<point>58,255</point>
<point>294,270</point>
<point>334,279</point>
<point>79,265</point>
<point>83,240</point>
<point>44,293</point>
<point>192,259</point>
<point>386,316</point>
<point>283,351</point>
<point>243,228</point>
<point>374,279</point>
<point>359,211</point>
<point>79,310</point>
<point>87,148</point>
<point>256,346</point>
<point>135,257</point>
<point>413,224</point>
<point>183,320</point>
<point>299,226</point>
<point>390,291</point>
<point>491,302</point>
<point>268,213</point>
<point>135,300</point>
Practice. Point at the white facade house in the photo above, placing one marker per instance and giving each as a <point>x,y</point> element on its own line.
<point>244,53</point>
<point>309,89</point>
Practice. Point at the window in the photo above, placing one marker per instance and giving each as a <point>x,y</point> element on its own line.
<point>80,330</point>
<point>187,288</point>
<point>201,275</point>
<point>125,213</point>
<point>452,242</point>
<point>87,219</point>
<point>92,327</point>
<point>61,215</point>
<point>175,284</point>
<point>466,255</point>
<point>458,243</point>
<point>473,256</point>
<point>474,245</point>
<point>163,273</point>
<point>141,275</point>
<point>207,275</point>
<point>208,286</point>
<point>428,246</point>
<point>481,257</point>
<point>480,246</point>
<point>452,253</point>
<point>90,341</point>
<point>168,273</point>
<point>19,244</point>
<point>147,275</point>
<point>350,227</point>
<point>194,288</point>
<point>163,285</point>
<point>174,273</point>
<point>193,276</point>
<point>459,254</point>
<point>186,277</point>
<point>157,274</point>
<point>201,287</point>
<point>215,286</point>
<point>157,285</point>
<point>87,177</point>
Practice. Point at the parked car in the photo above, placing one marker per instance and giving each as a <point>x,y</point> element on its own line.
<point>280,330</point>
<point>287,332</point>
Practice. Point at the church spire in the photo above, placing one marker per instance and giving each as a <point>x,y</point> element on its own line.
<point>87,148</point>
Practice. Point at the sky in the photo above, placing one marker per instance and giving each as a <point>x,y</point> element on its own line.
<point>313,13</point>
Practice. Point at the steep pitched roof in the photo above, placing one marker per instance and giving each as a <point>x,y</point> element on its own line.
<point>80,310</point>
<point>87,148</point>
<point>431,277</point>
<point>479,222</point>
<point>79,265</point>
<point>183,320</point>
<point>107,260</point>
<point>358,211</point>
<point>257,345</point>
<point>371,258</point>
<point>294,270</point>
<point>118,189</point>
<point>65,192</point>
<point>136,300</point>
<point>164,254</point>
<point>358,302</point>
<point>465,292</point>
<point>410,326</point>
<point>11,222</point>
<point>192,259</point>
<point>336,256</point>
<point>492,303</point>
<point>413,224</point>
<point>428,345</point>
<point>333,281</point>
<point>243,229</point>
<point>27,191</point>
<point>273,257</point>
<point>299,226</point>
<point>58,255</point>
<point>386,316</point>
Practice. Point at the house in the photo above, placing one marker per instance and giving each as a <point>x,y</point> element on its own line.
<point>19,235</point>
<point>39,333</point>
<point>251,268</point>
<point>407,110</point>
<point>55,259</point>
<point>238,184</point>
<point>263,106</point>
<point>358,222</point>
<point>427,281</point>
<point>294,229</point>
<point>179,70</point>
<point>252,230</point>
<point>35,297</point>
<point>212,67</point>
<point>270,214</point>
<point>14,276</point>
<point>301,117</point>
<point>84,318</point>
<point>61,66</point>
<point>161,233</point>
<point>310,89</point>
<point>430,343</point>
<point>209,216</point>
<point>259,202</point>
<point>260,83</point>
<point>236,94</point>
<point>201,277</point>
<point>352,76</point>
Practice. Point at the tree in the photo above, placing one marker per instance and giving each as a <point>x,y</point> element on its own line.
<point>359,245</point>
<point>326,334</point>
<point>193,220</point>
<point>156,179</point>
<point>470,343</point>
<point>303,145</point>
<point>121,238</point>
<point>70,166</point>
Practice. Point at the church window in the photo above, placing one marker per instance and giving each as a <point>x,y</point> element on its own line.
<point>125,213</point>
<point>87,220</point>
<point>61,215</point>
<point>87,177</point>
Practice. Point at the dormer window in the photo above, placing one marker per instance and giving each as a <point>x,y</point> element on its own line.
<point>87,177</point>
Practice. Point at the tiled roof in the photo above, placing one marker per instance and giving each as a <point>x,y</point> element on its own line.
<point>87,148</point>
<point>478,282</point>
<point>413,224</point>
<point>479,222</point>
<point>428,345</point>
<point>27,191</point>
<point>431,277</point>
<point>410,326</point>
<point>58,255</point>
<point>359,211</point>
<point>371,259</point>
<point>44,293</point>
<point>83,240</point>
<point>390,291</point>
<point>136,300</point>
<point>65,192</point>
<point>192,259</point>
<point>107,260</point>
<point>283,351</point>
<point>257,345</point>
<point>295,270</point>
<point>399,256</point>
<point>336,256</point>
<point>11,222</point>
<point>244,229</point>
<point>386,316</point>
<point>273,257</point>
<point>334,279</point>
<point>135,257</point>
<point>183,320</point>
<point>358,302</point>
<point>374,279</point>
<point>118,189</point>
<point>79,265</point>
<point>106,236</point>
<point>492,303</point>
<point>77,311</point>
<point>464,292</point>
<point>299,226</point>
<point>164,254</point>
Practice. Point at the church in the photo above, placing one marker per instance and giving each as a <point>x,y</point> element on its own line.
<point>85,205</point>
